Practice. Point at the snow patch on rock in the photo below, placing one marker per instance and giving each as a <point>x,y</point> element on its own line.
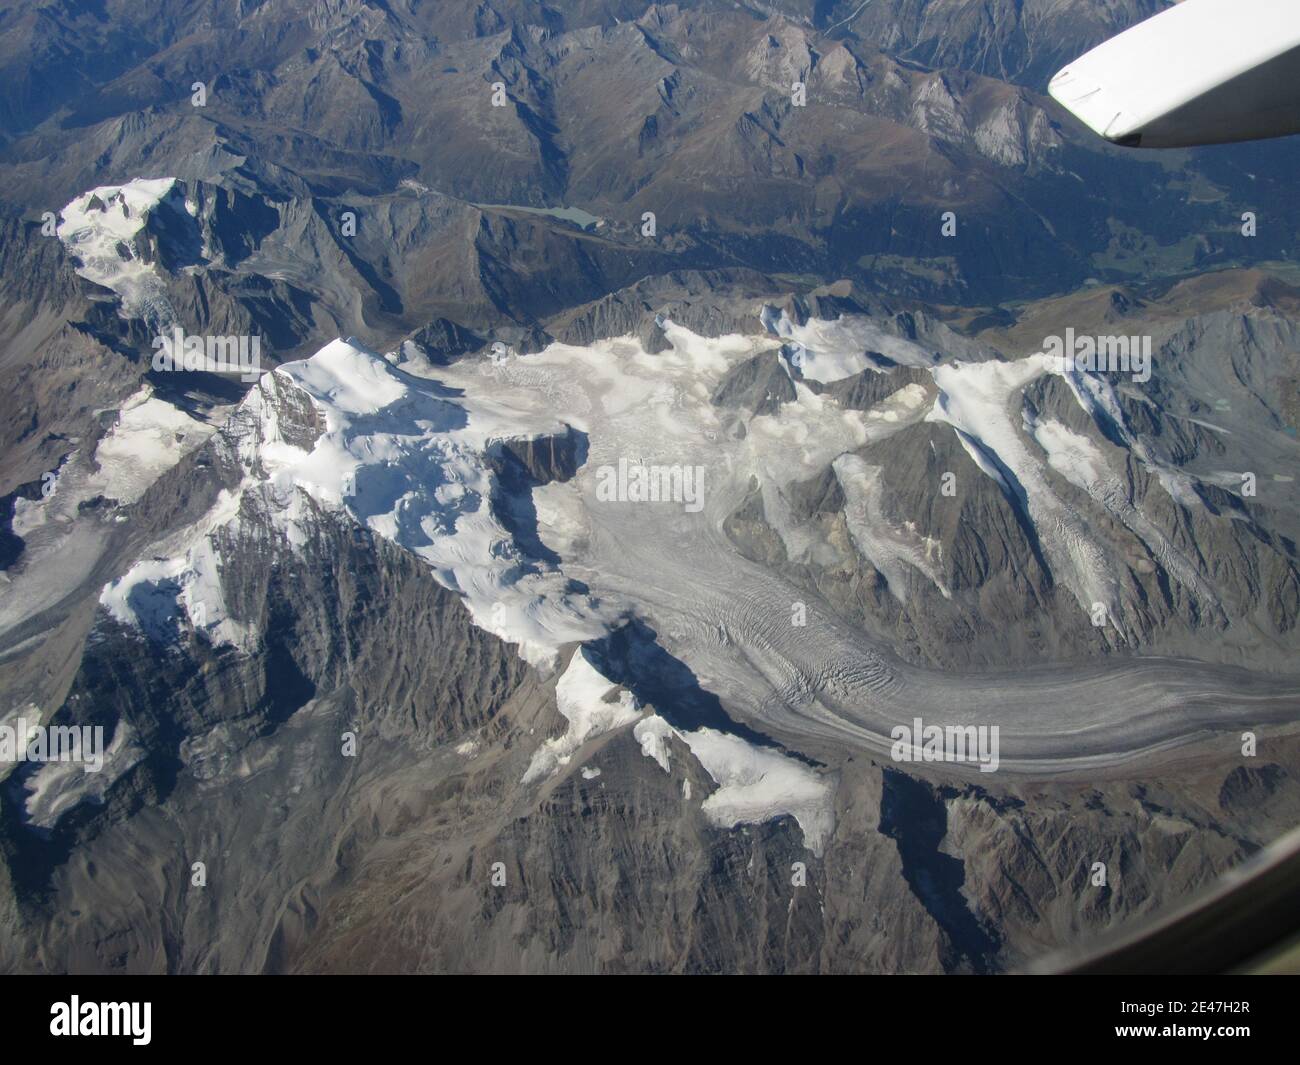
<point>976,400</point>
<point>891,549</point>
<point>831,350</point>
<point>755,784</point>
<point>57,787</point>
<point>592,704</point>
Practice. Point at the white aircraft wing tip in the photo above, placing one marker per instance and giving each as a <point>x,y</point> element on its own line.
<point>1201,72</point>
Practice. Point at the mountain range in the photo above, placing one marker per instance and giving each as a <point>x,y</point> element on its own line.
<point>395,669</point>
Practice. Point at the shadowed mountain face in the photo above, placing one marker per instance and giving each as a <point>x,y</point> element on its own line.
<point>698,427</point>
<point>1022,41</point>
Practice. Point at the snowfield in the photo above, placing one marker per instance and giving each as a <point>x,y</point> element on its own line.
<point>149,437</point>
<point>99,229</point>
<point>402,447</point>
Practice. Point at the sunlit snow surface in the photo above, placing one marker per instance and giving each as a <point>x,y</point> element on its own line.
<point>406,458</point>
<point>99,229</point>
<point>149,437</point>
<point>974,398</point>
<point>591,704</point>
<point>408,461</point>
<point>831,350</point>
<point>755,784</point>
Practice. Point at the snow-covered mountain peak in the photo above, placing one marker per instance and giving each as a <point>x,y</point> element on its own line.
<point>403,456</point>
<point>101,230</point>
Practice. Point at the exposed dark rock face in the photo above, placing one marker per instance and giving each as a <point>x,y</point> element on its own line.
<point>758,386</point>
<point>540,460</point>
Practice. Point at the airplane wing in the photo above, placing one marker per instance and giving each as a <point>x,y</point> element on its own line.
<point>1203,72</point>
